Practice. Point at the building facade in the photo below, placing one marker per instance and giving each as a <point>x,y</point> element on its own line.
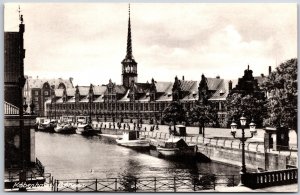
<point>39,91</point>
<point>132,100</point>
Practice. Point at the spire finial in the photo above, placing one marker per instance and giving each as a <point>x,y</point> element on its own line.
<point>129,44</point>
<point>129,9</point>
<point>20,16</point>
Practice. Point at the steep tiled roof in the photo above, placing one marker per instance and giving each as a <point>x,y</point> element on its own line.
<point>167,95</point>
<point>72,99</point>
<point>60,100</point>
<point>145,98</point>
<point>59,92</point>
<point>85,99</point>
<point>213,83</point>
<point>70,91</point>
<point>99,90</point>
<point>84,90</point>
<point>187,85</point>
<point>38,83</point>
<point>120,89</point>
<point>125,98</point>
<point>161,87</point>
<point>223,90</point>
<point>142,87</point>
<point>99,99</point>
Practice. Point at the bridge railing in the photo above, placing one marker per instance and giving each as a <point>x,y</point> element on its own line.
<point>147,184</point>
<point>271,178</point>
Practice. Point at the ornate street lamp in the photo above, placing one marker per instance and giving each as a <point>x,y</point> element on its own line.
<point>243,139</point>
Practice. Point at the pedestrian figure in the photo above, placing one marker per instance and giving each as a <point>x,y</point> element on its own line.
<point>105,126</point>
<point>157,127</point>
<point>124,126</point>
<point>145,129</point>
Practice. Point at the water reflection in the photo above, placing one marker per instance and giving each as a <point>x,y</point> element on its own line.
<point>75,156</point>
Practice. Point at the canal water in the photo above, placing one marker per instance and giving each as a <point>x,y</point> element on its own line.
<point>78,157</point>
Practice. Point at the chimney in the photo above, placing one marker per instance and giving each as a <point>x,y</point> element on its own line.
<point>262,75</point>
<point>71,80</point>
<point>218,77</point>
<point>230,85</point>
<point>183,78</point>
<point>270,70</point>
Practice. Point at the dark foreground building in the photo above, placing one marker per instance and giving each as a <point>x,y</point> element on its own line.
<point>20,159</point>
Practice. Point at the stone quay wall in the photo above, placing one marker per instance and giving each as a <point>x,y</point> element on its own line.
<point>229,151</point>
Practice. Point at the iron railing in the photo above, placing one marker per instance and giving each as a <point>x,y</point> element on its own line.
<point>147,184</point>
<point>271,178</point>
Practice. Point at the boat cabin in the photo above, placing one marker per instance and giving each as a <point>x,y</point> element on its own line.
<point>82,119</point>
<point>180,130</point>
<point>40,120</point>
<point>175,143</point>
<point>131,135</point>
<point>67,119</point>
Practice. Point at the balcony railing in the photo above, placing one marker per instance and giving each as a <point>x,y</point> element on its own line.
<point>271,178</point>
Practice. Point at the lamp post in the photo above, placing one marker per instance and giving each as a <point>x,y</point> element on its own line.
<point>90,103</point>
<point>50,110</point>
<point>53,100</point>
<point>138,121</point>
<point>243,139</point>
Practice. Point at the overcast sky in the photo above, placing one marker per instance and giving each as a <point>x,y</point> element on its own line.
<point>88,41</point>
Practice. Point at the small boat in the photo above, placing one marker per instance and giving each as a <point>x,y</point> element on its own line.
<point>177,148</point>
<point>132,140</point>
<point>47,125</point>
<point>65,128</point>
<point>85,129</point>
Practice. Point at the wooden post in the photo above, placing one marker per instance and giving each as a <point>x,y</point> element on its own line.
<point>57,185</point>
<point>214,184</point>
<point>76,185</point>
<point>174,184</point>
<point>96,183</point>
<point>116,184</point>
<point>154,184</point>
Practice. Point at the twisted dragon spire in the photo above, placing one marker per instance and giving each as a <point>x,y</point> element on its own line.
<point>129,42</point>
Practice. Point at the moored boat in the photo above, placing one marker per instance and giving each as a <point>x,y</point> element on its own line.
<point>132,140</point>
<point>47,125</point>
<point>64,128</point>
<point>177,148</point>
<point>85,129</point>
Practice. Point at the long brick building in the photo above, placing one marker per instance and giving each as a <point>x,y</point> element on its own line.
<point>131,99</point>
